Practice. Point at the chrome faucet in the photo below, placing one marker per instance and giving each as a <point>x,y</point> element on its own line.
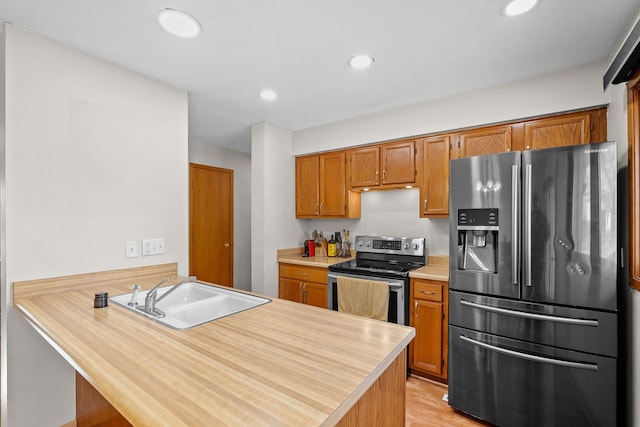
<point>152,297</point>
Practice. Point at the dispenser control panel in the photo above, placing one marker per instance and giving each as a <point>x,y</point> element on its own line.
<point>478,219</point>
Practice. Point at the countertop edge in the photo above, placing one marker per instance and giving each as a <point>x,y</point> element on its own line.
<point>22,304</point>
<point>342,410</point>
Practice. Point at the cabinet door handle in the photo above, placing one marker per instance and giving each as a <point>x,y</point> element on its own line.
<point>315,209</point>
<point>384,175</point>
<point>425,206</point>
<point>321,208</point>
<point>303,274</point>
<point>226,245</point>
<point>428,293</point>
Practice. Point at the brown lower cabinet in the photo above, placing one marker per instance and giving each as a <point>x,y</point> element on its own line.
<point>92,409</point>
<point>307,285</point>
<point>429,316</point>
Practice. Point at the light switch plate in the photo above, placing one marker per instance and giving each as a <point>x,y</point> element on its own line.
<point>131,249</point>
<point>152,247</point>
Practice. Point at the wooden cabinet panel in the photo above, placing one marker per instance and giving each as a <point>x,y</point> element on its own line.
<point>290,289</point>
<point>428,343</point>
<point>321,187</point>
<point>398,163</point>
<point>598,128</point>
<point>430,317</point>
<point>570,129</point>
<point>315,294</point>
<point>306,285</point>
<point>383,165</point>
<point>434,191</point>
<point>92,409</point>
<point>300,272</point>
<point>430,291</point>
<point>307,186</point>
<point>333,184</point>
<point>365,164</point>
<point>633,112</point>
<point>479,142</point>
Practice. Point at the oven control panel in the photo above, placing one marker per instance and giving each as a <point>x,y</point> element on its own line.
<point>391,245</point>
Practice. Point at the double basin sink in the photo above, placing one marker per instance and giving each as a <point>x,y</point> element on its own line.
<point>191,304</point>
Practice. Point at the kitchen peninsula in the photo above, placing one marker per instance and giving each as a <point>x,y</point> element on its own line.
<point>282,363</point>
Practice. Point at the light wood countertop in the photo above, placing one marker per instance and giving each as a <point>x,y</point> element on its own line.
<point>294,256</point>
<point>436,269</point>
<point>282,363</point>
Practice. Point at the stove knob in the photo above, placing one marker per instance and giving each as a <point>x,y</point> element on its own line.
<point>360,243</point>
<point>406,246</point>
<point>368,243</point>
<point>416,246</point>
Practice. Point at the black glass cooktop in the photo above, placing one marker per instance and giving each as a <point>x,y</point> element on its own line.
<point>374,266</point>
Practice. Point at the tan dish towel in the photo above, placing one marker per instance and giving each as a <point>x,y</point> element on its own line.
<point>368,298</point>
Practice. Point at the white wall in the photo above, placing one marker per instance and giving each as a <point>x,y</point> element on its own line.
<point>273,224</point>
<point>211,155</point>
<point>387,213</point>
<point>95,155</point>
<point>569,89</point>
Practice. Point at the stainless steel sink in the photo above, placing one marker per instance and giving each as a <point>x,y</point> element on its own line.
<point>192,304</point>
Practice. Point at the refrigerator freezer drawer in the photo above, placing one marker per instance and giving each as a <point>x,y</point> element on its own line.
<point>514,383</point>
<point>566,327</point>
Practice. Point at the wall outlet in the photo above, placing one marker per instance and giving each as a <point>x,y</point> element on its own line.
<point>152,247</point>
<point>131,249</point>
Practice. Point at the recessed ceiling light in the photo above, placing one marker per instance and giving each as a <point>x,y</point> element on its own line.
<point>179,23</point>
<point>360,62</point>
<point>518,7</point>
<point>268,95</point>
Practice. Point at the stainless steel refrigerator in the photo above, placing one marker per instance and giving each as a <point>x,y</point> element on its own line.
<point>532,304</point>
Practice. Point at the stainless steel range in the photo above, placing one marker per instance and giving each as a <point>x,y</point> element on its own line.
<point>388,259</point>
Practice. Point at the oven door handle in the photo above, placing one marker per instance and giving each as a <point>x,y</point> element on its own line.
<point>531,357</point>
<point>392,284</point>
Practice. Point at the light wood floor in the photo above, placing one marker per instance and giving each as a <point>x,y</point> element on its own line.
<point>425,406</point>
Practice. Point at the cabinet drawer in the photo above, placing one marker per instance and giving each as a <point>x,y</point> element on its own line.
<point>430,291</point>
<point>300,272</point>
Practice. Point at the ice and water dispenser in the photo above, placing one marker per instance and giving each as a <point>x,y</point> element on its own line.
<point>478,240</point>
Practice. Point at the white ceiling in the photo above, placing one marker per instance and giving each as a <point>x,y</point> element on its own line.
<point>423,49</point>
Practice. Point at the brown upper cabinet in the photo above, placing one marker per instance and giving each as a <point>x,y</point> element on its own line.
<point>321,189</point>
<point>434,191</point>
<point>478,142</point>
<point>572,129</point>
<point>384,165</point>
<point>554,131</point>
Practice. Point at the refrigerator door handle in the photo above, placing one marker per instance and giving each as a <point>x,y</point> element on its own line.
<point>527,225</point>
<point>534,316</point>
<point>531,357</point>
<point>515,221</point>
